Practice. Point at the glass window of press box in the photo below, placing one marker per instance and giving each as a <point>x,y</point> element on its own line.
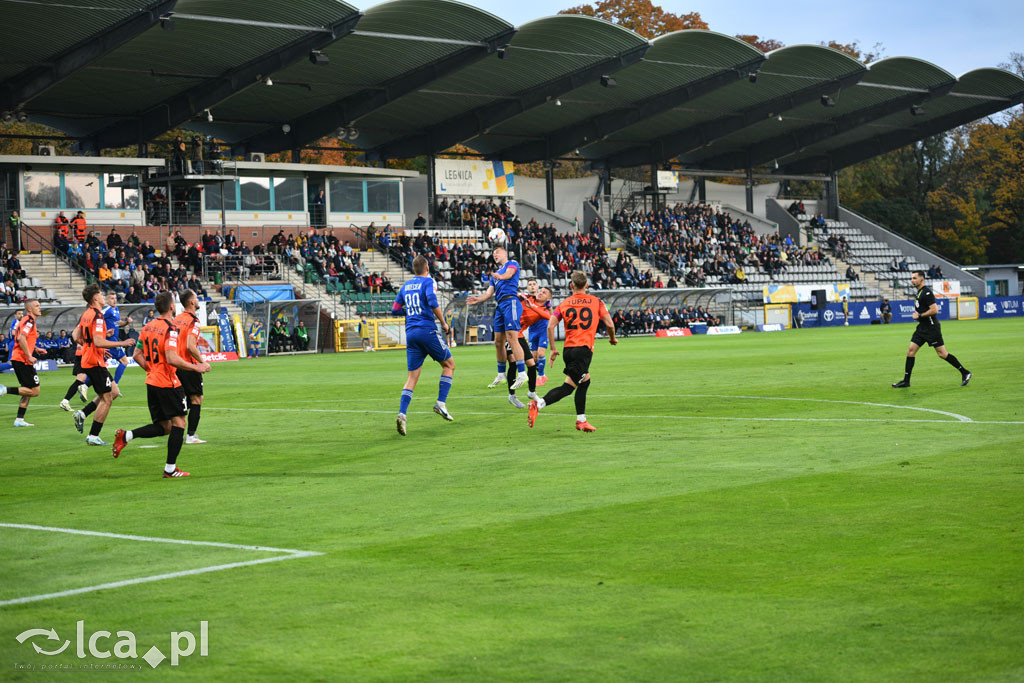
<point>74,191</point>
<point>365,196</point>
<point>256,194</point>
<point>121,191</point>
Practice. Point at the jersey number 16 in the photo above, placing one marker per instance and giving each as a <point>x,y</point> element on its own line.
<point>151,350</point>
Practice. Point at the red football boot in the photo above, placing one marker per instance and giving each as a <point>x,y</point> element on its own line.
<point>119,443</point>
<point>585,426</point>
<point>178,472</point>
<point>531,415</point>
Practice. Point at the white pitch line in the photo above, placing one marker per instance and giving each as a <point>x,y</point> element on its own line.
<point>289,554</point>
<point>626,417</point>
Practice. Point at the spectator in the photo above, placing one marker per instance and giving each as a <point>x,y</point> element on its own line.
<point>79,226</point>
<point>178,156</point>
<point>14,225</point>
<point>885,311</point>
<point>300,337</point>
<point>851,274</point>
<point>197,155</point>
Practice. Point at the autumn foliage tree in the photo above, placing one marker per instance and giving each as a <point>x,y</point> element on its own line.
<point>640,16</point>
<point>762,44</point>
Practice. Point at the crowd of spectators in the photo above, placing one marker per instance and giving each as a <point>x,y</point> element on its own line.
<point>650,320</point>
<point>130,267</point>
<point>10,292</point>
<point>334,261</point>
<point>696,242</point>
<point>483,214</point>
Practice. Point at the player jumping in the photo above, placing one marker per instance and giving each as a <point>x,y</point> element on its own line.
<point>23,361</point>
<point>418,297</point>
<point>929,331</point>
<point>507,313</point>
<point>91,333</point>
<point>533,314</point>
<point>187,323</point>
<point>157,354</point>
<point>539,330</point>
<point>581,313</point>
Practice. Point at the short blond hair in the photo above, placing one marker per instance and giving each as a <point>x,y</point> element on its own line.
<point>579,280</point>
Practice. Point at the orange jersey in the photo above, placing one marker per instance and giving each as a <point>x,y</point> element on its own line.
<point>188,325</point>
<point>26,326</point>
<point>156,338</point>
<point>581,313</point>
<point>92,327</point>
<point>532,312</point>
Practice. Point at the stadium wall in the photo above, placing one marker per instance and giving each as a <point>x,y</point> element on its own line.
<point>788,225</point>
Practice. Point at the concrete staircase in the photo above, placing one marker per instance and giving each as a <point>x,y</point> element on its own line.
<point>378,262</point>
<point>866,278</point>
<point>66,286</point>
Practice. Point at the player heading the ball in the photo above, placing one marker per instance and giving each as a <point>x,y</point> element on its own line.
<point>507,313</point>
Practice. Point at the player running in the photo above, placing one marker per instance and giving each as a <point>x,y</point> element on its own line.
<point>538,336</point>
<point>112,319</point>
<point>928,332</point>
<point>507,313</point>
<point>581,313</point>
<point>91,333</point>
<point>418,297</point>
<point>157,354</point>
<point>79,384</point>
<point>188,326</point>
<point>23,361</point>
<point>534,313</point>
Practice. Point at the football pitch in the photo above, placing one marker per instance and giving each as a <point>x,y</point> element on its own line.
<point>754,507</point>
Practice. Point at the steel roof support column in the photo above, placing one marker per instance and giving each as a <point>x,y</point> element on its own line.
<point>549,183</point>
<point>655,195</point>
<point>702,190</point>
<point>431,189</point>
<point>749,185</point>
<point>832,197</point>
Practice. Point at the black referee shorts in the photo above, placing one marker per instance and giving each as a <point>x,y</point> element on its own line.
<point>931,335</point>
<point>166,402</point>
<point>27,375</point>
<point>191,382</point>
<point>577,362</point>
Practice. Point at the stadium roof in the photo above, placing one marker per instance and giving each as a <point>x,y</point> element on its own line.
<point>410,77</point>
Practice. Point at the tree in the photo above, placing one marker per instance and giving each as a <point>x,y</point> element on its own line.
<point>640,16</point>
<point>854,49</point>
<point>762,44</point>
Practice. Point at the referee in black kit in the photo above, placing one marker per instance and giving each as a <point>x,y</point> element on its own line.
<point>926,312</point>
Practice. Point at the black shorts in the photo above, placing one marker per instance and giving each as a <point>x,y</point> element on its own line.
<point>931,335</point>
<point>99,379</point>
<point>27,375</point>
<point>165,402</point>
<point>524,345</point>
<point>191,382</point>
<point>77,370</point>
<point>577,362</point>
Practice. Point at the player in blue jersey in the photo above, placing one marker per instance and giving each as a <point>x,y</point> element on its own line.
<point>112,317</point>
<point>507,313</point>
<point>538,334</point>
<point>418,297</point>
<point>10,336</point>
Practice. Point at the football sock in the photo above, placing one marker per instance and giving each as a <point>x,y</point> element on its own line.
<point>521,366</point>
<point>90,407</point>
<point>581,417</point>
<point>94,430</point>
<point>510,377</point>
<point>121,367</point>
<point>501,368</point>
<point>193,418</point>
<point>71,390</point>
<point>13,391</point>
<point>443,388</point>
<point>581,398</point>
<point>21,412</point>
<point>403,405</point>
<point>908,369</point>
<point>150,431</point>
<point>541,364</point>
<point>532,372</point>
<point>557,394</point>
<point>174,442</point>
<point>951,359</point>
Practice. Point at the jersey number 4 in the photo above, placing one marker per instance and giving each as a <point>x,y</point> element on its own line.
<point>151,350</point>
<point>583,316</point>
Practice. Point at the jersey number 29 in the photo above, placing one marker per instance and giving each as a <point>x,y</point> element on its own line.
<point>584,316</point>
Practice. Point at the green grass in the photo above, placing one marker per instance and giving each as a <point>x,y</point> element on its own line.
<point>696,535</point>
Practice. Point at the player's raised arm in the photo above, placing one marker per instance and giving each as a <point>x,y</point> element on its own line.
<point>473,300</point>
<point>507,272</point>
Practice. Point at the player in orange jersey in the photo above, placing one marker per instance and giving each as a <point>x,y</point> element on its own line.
<point>187,323</point>
<point>581,313</point>
<point>157,354</point>
<point>535,310</point>
<point>23,361</point>
<point>91,333</point>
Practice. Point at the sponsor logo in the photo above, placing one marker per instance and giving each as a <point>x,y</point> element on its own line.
<point>182,644</point>
<point>906,310</point>
<point>771,327</point>
<point>864,315</point>
<point>220,356</point>
<point>725,329</point>
<point>674,332</point>
<point>829,316</point>
<point>990,307</point>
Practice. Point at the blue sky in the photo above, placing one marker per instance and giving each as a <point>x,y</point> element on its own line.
<point>958,36</point>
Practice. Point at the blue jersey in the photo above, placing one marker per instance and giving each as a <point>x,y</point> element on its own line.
<point>419,299</point>
<point>112,317</point>
<point>509,287</point>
